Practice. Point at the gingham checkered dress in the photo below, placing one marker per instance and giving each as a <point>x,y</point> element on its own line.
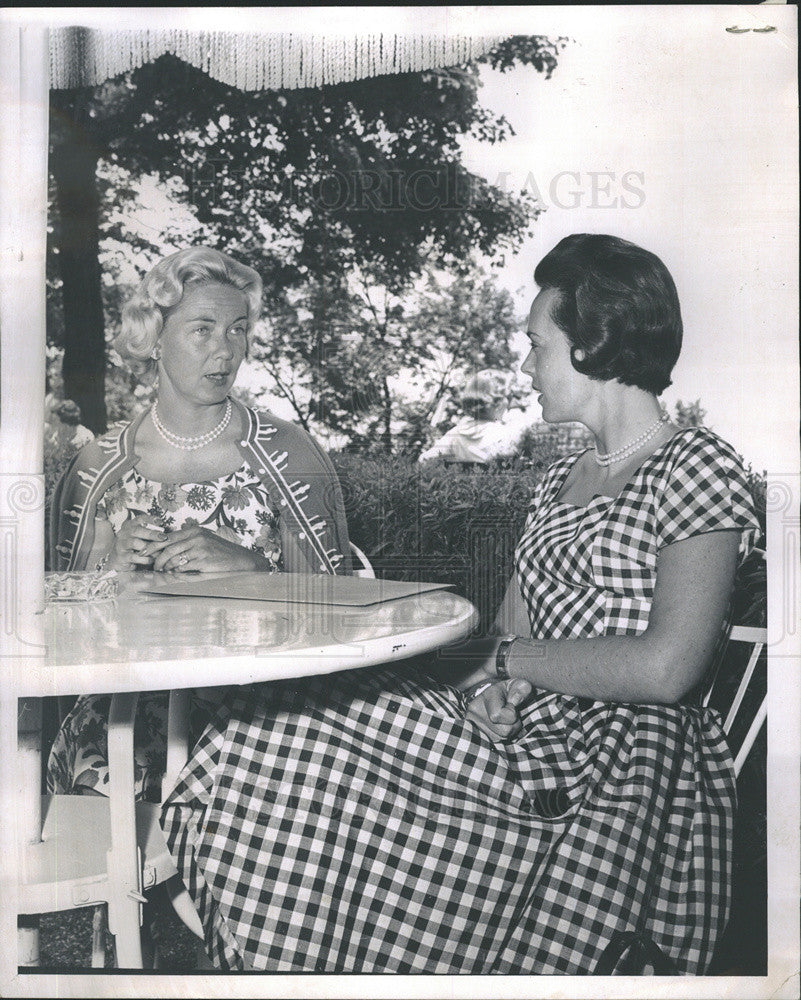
<point>360,824</point>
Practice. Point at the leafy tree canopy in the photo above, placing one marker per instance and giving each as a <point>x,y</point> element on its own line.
<point>345,195</point>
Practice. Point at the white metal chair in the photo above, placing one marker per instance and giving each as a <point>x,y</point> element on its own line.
<point>756,638</point>
<point>97,849</point>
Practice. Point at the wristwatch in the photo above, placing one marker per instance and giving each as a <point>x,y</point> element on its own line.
<point>502,656</point>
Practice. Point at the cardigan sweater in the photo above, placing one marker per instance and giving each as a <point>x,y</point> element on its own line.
<point>297,474</point>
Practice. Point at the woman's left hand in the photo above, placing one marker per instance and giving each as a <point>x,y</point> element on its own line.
<point>195,549</point>
<point>495,709</point>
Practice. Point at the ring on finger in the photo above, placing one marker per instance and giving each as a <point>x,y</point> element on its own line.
<point>182,560</point>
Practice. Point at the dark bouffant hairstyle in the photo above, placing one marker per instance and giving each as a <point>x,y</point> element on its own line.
<point>618,304</point>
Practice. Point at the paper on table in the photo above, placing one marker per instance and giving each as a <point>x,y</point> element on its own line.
<point>292,588</point>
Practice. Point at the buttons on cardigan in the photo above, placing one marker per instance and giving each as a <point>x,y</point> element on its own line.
<point>283,501</point>
<point>301,534</point>
<point>262,471</point>
<point>244,444</point>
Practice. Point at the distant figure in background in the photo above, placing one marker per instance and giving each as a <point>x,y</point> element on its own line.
<point>479,435</point>
<point>63,429</point>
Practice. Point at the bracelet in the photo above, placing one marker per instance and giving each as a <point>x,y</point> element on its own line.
<point>502,656</point>
<point>480,689</point>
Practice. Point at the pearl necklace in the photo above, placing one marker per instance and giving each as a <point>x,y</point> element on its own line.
<point>612,457</point>
<point>191,443</point>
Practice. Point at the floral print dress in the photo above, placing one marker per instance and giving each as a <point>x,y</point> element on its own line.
<point>237,508</point>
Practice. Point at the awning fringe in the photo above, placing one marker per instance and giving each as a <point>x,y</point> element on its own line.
<point>253,61</point>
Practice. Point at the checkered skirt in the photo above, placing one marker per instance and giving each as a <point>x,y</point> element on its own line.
<point>360,824</point>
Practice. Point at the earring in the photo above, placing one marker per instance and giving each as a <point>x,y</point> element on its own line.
<point>156,354</point>
<point>579,355</point>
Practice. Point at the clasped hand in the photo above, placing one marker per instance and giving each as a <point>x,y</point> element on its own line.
<point>195,548</point>
<point>495,708</point>
<point>189,549</point>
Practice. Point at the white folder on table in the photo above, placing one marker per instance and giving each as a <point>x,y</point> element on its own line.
<point>291,588</point>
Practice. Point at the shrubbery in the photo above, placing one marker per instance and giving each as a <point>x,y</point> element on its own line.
<point>437,522</point>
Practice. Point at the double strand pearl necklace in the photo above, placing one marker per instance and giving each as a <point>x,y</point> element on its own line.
<point>191,443</point>
<point>612,457</point>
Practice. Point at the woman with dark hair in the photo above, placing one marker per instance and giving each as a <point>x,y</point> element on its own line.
<point>375,822</point>
<point>619,307</point>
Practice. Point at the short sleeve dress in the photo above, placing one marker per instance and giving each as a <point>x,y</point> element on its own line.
<point>360,823</point>
<point>236,507</point>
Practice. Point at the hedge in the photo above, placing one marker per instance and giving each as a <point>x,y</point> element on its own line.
<point>438,523</point>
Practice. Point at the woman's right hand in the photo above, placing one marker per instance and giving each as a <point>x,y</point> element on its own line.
<point>136,543</point>
<point>494,708</point>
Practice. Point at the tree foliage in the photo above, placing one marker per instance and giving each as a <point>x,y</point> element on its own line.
<point>690,414</point>
<point>375,366</point>
<point>316,188</point>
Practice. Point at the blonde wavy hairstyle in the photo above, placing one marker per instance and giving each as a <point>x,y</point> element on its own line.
<point>163,287</point>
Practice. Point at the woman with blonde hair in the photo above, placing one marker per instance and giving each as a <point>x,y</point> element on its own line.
<point>195,482</point>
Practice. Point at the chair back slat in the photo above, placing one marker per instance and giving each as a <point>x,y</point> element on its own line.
<point>177,739</point>
<point>745,747</point>
<point>710,682</point>
<point>747,633</point>
<point>743,685</point>
<point>756,638</point>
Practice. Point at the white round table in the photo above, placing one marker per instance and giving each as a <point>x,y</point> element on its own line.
<point>143,641</point>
